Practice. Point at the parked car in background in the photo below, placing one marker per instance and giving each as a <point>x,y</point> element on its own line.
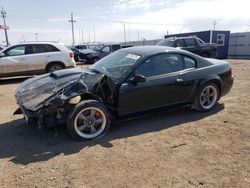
<point>125,83</point>
<point>35,58</point>
<point>191,44</point>
<point>108,48</point>
<point>82,46</point>
<point>97,51</point>
<point>2,47</point>
<point>87,56</point>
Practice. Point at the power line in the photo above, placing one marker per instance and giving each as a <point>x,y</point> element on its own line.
<point>126,22</point>
<point>72,27</point>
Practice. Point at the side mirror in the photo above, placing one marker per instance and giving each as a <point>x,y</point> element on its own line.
<point>2,54</point>
<point>137,79</point>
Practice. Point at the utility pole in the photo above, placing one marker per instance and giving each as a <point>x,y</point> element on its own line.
<point>36,35</point>
<point>215,23</point>
<point>72,26</point>
<point>3,12</point>
<point>82,36</point>
<point>94,33</point>
<point>124,32</point>
<point>138,34</point>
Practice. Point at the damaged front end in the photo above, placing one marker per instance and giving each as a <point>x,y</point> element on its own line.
<point>47,100</point>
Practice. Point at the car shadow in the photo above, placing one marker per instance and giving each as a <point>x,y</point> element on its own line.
<point>24,145</point>
<point>13,80</point>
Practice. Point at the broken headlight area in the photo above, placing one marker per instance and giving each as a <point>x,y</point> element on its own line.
<point>55,109</point>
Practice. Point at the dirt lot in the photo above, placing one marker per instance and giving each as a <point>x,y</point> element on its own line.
<point>171,149</point>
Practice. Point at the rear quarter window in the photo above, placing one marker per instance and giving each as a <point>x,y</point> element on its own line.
<point>190,42</point>
<point>40,48</point>
<point>52,48</point>
<point>189,62</point>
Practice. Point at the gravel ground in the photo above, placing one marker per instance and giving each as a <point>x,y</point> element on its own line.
<point>170,149</point>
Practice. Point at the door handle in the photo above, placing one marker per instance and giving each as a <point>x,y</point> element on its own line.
<point>179,80</point>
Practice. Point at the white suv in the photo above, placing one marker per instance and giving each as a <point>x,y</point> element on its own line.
<point>35,58</point>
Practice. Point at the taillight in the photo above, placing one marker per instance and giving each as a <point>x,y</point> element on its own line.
<point>71,54</point>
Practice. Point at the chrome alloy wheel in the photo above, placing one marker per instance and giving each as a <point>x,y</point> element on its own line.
<point>208,97</point>
<point>90,122</point>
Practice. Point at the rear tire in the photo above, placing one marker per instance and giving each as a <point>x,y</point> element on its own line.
<point>54,67</point>
<point>95,59</point>
<point>207,97</point>
<point>206,55</point>
<point>88,120</point>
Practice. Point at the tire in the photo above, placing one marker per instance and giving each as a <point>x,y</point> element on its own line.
<point>206,55</point>
<point>88,120</point>
<point>54,67</point>
<point>96,59</point>
<point>206,97</point>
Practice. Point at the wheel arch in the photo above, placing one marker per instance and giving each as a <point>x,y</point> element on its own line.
<point>54,62</point>
<point>214,79</point>
<point>90,96</point>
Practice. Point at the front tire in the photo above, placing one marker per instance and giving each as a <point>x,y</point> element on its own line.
<point>88,120</point>
<point>207,97</point>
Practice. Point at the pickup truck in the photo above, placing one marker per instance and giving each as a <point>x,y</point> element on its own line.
<point>191,44</point>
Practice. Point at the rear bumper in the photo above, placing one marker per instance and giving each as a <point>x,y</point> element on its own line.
<point>71,63</point>
<point>227,86</point>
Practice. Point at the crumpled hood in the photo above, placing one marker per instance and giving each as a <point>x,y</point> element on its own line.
<point>33,92</point>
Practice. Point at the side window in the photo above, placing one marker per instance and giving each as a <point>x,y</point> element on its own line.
<point>106,49</point>
<point>81,47</point>
<point>160,64</point>
<point>189,62</point>
<point>115,47</point>
<point>220,39</point>
<point>179,43</point>
<point>39,48</point>
<point>52,48</point>
<point>190,42</point>
<point>18,50</point>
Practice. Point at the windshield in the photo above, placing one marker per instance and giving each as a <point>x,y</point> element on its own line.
<point>96,47</point>
<point>116,65</point>
<point>165,42</point>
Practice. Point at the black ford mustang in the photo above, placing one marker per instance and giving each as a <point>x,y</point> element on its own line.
<point>129,81</point>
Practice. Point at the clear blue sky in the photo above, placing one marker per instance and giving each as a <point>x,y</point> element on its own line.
<point>147,19</point>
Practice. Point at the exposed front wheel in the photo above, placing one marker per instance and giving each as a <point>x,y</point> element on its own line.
<point>206,97</point>
<point>88,120</point>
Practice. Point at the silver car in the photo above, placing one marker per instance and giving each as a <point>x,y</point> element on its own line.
<point>35,58</point>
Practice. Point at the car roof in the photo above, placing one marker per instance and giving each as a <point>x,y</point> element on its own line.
<point>175,38</point>
<point>111,43</point>
<point>152,50</point>
<point>59,45</point>
<point>40,42</point>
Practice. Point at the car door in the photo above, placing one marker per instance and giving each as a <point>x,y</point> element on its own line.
<point>38,55</point>
<point>191,46</point>
<point>163,86</point>
<point>106,50</point>
<point>188,79</point>
<point>13,60</point>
